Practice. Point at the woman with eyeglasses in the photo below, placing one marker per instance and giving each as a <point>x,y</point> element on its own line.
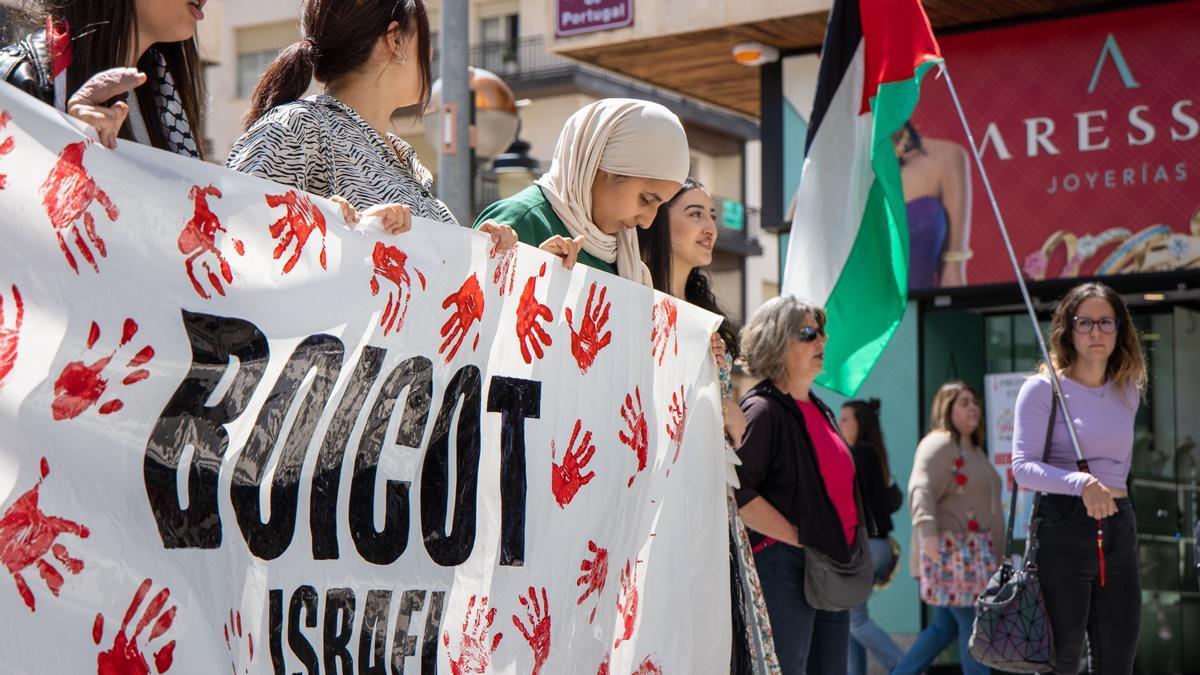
<point>799,491</point>
<point>1087,532</point>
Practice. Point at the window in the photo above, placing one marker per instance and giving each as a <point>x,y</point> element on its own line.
<point>498,37</point>
<point>251,66</point>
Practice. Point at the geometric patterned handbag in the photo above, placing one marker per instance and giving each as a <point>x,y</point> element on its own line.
<point>1012,631</point>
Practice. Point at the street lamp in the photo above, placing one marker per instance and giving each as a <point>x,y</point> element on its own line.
<point>494,120</point>
<point>514,168</point>
<point>494,124</point>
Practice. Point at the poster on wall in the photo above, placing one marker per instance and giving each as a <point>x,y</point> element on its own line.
<point>1000,398</point>
<point>1089,129</point>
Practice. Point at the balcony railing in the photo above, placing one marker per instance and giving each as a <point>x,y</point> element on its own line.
<point>514,59</point>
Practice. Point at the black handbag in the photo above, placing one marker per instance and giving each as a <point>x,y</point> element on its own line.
<point>1012,631</point>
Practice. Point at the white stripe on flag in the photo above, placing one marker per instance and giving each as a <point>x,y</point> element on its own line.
<point>834,183</point>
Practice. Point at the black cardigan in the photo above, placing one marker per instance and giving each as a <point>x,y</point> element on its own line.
<point>780,465</point>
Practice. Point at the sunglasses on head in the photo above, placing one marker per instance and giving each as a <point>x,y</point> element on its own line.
<point>809,333</point>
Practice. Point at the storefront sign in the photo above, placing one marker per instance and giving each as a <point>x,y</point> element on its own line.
<point>1090,131</point>
<point>1000,399</point>
<point>585,16</point>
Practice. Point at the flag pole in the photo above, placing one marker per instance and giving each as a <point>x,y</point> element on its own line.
<point>1012,258</point>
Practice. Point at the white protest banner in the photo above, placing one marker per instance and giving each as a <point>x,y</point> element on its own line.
<point>235,433</point>
<point>1001,402</point>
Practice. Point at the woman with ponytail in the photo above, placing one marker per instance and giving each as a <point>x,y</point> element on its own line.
<point>371,57</point>
<point>90,52</point>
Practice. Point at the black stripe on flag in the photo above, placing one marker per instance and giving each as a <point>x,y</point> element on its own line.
<point>842,35</point>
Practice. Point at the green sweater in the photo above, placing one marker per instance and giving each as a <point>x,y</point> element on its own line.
<point>529,213</point>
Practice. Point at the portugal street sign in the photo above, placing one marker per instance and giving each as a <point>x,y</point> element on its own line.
<point>586,16</point>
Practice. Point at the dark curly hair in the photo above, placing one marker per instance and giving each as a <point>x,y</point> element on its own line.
<point>655,243</point>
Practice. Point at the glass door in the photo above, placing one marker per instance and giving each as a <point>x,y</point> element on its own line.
<point>1165,493</point>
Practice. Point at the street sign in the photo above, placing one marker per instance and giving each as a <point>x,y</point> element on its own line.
<point>585,16</point>
<point>733,215</point>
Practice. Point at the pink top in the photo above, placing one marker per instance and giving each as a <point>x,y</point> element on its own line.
<point>836,464</point>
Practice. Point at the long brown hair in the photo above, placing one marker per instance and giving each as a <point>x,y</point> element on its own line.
<point>338,39</point>
<point>943,403</point>
<point>870,433</point>
<point>1126,365</point>
<point>103,34</point>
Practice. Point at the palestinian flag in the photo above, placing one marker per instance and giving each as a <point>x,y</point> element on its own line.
<point>848,248</point>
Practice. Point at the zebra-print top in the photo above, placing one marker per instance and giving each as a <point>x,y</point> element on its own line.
<point>320,145</point>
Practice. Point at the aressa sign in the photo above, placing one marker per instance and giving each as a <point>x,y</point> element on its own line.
<point>1089,129</point>
<point>573,17</point>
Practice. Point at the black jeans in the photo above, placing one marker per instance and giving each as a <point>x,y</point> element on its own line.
<point>1069,565</point>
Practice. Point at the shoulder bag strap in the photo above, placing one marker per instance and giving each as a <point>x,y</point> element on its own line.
<point>1031,542</point>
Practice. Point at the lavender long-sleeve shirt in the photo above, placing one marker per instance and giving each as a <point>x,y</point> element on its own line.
<point>1103,421</point>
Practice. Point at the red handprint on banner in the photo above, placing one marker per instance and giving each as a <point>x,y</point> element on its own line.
<point>10,337</point>
<point>233,642</point>
<point>637,439</point>
<point>391,264</point>
<point>125,656</point>
<point>300,218</point>
<point>627,602</point>
<point>6,145</point>
<point>664,316</point>
<point>530,333</point>
<point>538,632</point>
<point>79,386</point>
<point>567,478</point>
<point>27,534</point>
<point>468,309</point>
<point>506,267</point>
<point>603,669</point>
<point>67,194</point>
<point>648,666</point>
<point>474,652</point>
<point>678,412</point>
<point>198,241</point>
<point>587,342</point>
<point>595,575</point>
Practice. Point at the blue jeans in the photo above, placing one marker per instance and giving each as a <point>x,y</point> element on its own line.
<point>865,634</point>
<point>947,623</point>
<point>807,640</point>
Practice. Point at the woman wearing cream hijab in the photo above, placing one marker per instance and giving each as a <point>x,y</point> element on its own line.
<point>615,162</point>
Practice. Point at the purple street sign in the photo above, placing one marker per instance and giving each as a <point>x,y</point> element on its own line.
<point>585,16</point>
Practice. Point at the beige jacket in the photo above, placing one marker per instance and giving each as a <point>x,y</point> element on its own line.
<point>938,502</point>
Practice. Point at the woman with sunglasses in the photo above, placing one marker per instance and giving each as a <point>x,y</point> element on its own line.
<point>799,491</point>
<point>1091,590</point>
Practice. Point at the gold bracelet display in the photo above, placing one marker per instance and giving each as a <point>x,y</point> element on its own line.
<point>958,256</point>
<point>1156,248</point>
